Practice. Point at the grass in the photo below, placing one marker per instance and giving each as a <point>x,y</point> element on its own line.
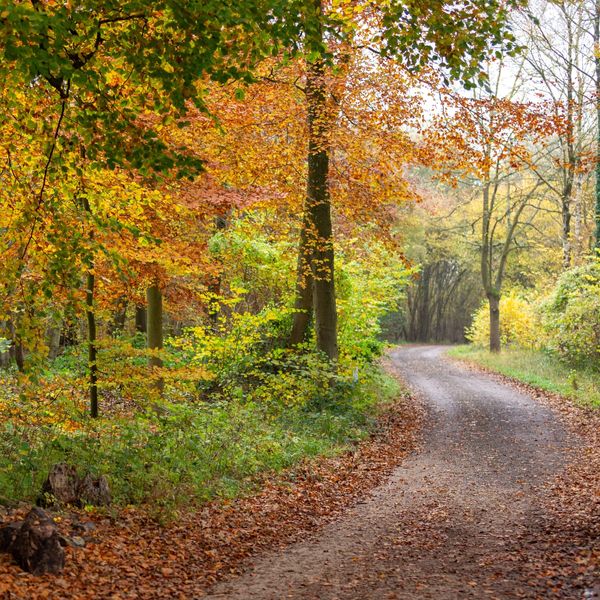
<point>539,369</point>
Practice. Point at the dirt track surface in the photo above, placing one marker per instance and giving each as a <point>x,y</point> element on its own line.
<point>443,526</point>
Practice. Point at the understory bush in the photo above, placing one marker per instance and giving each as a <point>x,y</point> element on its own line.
<point>235,402</point>
<point>192,451</point>
<point>519,323</point>
<point>564,325</point>
<point>571,316</point>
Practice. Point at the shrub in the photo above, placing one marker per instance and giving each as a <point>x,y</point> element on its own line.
<point>571,316</point>
<point>519,323</point>
<point>367,290</point>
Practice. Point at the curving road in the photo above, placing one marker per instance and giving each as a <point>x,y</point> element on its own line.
<point>442,527</point>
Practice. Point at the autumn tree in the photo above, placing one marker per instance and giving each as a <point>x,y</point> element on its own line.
<point>97,73</point>
<point>494,142</point>
<point>559,63</point>
<point>454,36</point>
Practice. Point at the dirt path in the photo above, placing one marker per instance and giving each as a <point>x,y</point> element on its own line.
<point>443,525</point>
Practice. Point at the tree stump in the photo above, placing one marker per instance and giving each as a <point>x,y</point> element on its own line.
<point>34,543</point>
<point>94,491</point>
<point>61,486</point>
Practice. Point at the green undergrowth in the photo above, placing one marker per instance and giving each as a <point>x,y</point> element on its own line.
<point>540,369</point>
<point>193,452</point>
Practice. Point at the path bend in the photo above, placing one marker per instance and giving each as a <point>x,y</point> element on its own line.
<point>442,525</point>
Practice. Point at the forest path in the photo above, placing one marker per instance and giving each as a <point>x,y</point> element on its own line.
<point>443,524</point>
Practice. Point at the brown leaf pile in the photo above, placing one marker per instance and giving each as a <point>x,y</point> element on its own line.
<point>134,557</point>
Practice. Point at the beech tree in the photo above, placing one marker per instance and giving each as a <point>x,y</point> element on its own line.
<point>87,74</point>
<point>453,36</point>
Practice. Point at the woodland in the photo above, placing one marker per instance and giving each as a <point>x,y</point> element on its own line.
<point>216,216</point>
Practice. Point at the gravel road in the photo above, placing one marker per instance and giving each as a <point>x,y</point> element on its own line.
<point>444,523</point>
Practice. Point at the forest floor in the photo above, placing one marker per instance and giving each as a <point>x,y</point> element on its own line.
<point>501,502</point>
<point>499,499</point>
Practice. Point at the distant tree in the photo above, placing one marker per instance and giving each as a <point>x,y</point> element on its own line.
<point>559,61</point>
<point>493,142</point>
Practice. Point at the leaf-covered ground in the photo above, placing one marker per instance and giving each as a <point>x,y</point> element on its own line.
<point>131,556</point>
<point>478,512</point>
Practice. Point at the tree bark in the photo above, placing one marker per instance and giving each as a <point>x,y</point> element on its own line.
<point>91,324</point>
<point>53,335</point>
<point>155,329</point>
<point>494,300</point>
<point>19,354</point>
<point>566,228</point>
<point>141,319</point>
<point>92,350</point>
<point>572,158</point>
<point>319,228</point>
<point>304,289</point>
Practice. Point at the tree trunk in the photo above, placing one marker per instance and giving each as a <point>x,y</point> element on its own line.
<point>494,300</point>
<point>19,354</point>
<point>566,228</point>
<point>53,342</point>
<point>16,351</point>
<point>319,229</point>
<point>304,289</point>
<point>597,64</point>
<point>92,350</point>
<point>155,329</point>
<point>91,325</point>
<point>214,287</point>
<point>141,319</point>
<point>578,245</point>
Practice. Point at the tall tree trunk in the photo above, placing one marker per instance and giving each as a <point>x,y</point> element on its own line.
<point>566,228</point>
<point>494,301</point>
<point>91,325</point>
<point>571,157</point>
<point>141,318</point>
<point>155,329</point>
<point>53,342</point>
<point>19,354</point>
<point>578,245</point>
<point>597,64</point>
<point>318,207</point>
<point>304,288</point>
<point>92,349</point>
